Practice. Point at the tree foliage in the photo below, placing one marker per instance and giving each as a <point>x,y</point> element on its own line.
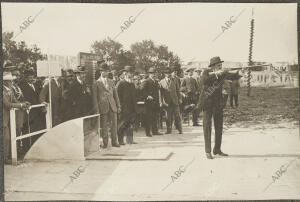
<point>147,55</point>
<point>142,55</point>
<point>19,52</point>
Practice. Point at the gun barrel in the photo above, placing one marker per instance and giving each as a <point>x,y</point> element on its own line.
<point>252,66</point>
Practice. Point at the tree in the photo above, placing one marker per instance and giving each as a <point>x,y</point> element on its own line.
<point>108,49</point>
<point>19,52</point>
<point>125,58</point>
<point>147,55</point>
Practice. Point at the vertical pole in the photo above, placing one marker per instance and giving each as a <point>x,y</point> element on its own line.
<point>13,135</point>
<point>48,118</point>
<point>50,102</point>
<point>250,62</point>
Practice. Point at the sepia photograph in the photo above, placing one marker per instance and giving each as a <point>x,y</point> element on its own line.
<point>150,101</point>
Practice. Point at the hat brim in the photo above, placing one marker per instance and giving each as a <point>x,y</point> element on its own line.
<point>11,78</point>
<point>215,63</point>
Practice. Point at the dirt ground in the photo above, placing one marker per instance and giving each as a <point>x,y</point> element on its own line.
<point>265,105</point>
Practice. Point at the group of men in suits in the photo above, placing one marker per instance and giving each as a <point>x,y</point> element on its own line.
<point>117,100</point>
<point>70,98</point>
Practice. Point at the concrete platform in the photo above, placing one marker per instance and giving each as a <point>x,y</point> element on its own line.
<point>255,157</point>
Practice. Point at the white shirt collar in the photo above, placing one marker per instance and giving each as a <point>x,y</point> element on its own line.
<point>7,88</point>
<point>79,80</point>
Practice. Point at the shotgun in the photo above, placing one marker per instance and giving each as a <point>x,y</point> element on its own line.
<point>239,68</point>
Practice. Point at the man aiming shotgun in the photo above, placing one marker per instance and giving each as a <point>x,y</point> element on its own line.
<point>211,102</point>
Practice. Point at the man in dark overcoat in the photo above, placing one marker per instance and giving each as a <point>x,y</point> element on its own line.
<point>211,102</point>
<point>127,97</point>
<point>150,90</point>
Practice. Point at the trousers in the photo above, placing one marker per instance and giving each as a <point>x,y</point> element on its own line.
<point>173,111</point>
<point>105,119</point>
<point>217,115</point>
<point>236,99</point>
<point>151,120</point>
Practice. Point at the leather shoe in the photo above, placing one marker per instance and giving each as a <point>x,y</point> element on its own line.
<point>133,142</point>
<point>122,143</point>
<point>196,124</point>
<point>148,135</point>
<point>209,156</point>
<point>220,153</point>
<point>115,145</point>
<point>158,133</point>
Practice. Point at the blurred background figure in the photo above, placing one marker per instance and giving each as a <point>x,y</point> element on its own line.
<point>226,91</point>
<point>234,93</point>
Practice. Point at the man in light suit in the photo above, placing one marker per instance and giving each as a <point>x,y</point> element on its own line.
<point>170,96</point>
<point>106,103</point>
<point>9,101</point>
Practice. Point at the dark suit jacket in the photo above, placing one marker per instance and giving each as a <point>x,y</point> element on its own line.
<point>104,98</point>
<point>127,96</point>
<point>83,99</point>
<point>211,95</point>
<point>169,92</point>
<point>29,94</point>
<point>150,88</point>
<point>69,101</point>
<point>36,115</point>
<point>189,86</point>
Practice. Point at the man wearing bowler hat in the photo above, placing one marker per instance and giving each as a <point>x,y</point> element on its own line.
<point>127,96</point>
<point>106,103</point>
<point>150,90</point>
<point>211,102</point>
<point>84,94</point>
<point>170,98</point>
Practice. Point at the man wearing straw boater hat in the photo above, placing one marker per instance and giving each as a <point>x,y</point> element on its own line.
<point>127,96</point>
<point>9,101</point>
<point>211,102</point>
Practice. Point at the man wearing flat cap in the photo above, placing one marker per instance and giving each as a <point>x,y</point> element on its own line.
<point>127,96</point>
<point>170,98</point>
<point>106,103</point>
<point>211,102</point>
<point>150,91</point>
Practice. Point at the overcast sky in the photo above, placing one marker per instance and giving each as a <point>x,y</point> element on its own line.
<point>188,29</point>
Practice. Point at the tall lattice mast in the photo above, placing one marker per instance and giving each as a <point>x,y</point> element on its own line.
<point>250,62</point>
